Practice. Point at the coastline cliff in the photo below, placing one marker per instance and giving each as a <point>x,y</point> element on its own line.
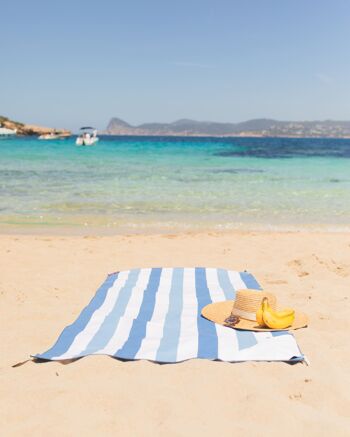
<point>30,129</point>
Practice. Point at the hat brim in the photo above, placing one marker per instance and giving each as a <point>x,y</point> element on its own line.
<point>218,312</point>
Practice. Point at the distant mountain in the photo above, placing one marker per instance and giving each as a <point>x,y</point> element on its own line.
<point>257,127</point>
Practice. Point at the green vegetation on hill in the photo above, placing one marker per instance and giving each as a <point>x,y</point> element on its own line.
<point>5,119</point>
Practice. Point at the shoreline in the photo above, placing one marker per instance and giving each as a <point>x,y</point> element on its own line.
<point>160,229</point>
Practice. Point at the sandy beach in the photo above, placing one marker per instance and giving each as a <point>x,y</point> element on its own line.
<point>46,280</point>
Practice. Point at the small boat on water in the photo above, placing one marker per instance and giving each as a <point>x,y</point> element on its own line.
<point>53,136</point>
<point>5,132</point>
<point>87,137</point>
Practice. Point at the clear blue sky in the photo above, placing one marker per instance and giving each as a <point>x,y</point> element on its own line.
<point>68,63</point>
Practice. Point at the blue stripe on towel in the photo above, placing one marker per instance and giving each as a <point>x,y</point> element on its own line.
<point>279,333</point>
<point>207,336</point>
<point>171,333</point>
<point>250,281</point>
<point>138,329</point>
<point>110,323</point>
<point>70,332</point>
<point>245,339</point>
<point>226,284</point>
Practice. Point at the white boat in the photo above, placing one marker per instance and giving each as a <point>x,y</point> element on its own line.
<point>87,137</point>
<point>53,136</point>
<point>5,132</point>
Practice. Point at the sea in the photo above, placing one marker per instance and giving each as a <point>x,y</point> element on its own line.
<point>162,184</point>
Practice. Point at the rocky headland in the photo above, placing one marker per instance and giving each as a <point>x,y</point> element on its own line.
<point>31,129</point>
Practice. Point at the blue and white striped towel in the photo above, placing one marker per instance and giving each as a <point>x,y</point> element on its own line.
<point>155,314</point>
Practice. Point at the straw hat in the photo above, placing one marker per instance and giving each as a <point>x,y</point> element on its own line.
<point>242,311</point>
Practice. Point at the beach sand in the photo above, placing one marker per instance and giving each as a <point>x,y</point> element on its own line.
<point>46,280</point>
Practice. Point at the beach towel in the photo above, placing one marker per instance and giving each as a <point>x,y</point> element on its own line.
<point>155,314</point>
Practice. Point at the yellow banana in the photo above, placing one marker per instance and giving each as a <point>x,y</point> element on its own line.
<point>267,317</point>
<point>277,319</point>
<point>259,315</point>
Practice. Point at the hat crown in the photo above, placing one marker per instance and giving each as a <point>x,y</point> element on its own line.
<point>248,301</point>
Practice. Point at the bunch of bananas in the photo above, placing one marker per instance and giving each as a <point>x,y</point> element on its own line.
<point>267,317</point>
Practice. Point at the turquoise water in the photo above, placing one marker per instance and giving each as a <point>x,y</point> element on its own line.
<point>166,183</point>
